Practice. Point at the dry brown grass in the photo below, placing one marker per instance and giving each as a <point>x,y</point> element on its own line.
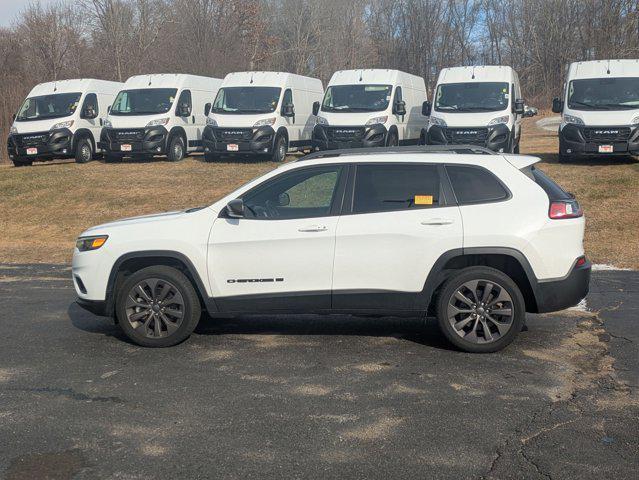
<point>43,208</point>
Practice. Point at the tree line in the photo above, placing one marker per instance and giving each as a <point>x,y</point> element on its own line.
<point>114,39</point>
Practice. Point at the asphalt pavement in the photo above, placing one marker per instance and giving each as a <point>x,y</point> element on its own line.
<point>314,396</point>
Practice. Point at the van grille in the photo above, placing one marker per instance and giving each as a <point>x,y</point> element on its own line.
<point>473,136</point>
<point>31,139</point>
<point>606,134</point>
<point>127,134</point>
<point>345,134</point>
<point>234,134</point>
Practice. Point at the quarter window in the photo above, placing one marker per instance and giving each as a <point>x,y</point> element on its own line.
<point>380,188</point>
<point>475,184</point>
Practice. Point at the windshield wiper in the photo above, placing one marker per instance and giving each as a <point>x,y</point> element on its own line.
<point>588,105</point>
<point>447,107</point>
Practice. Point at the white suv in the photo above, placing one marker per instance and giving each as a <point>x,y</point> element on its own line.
<point>476,240</point>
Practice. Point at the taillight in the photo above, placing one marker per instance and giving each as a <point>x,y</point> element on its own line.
<point>565,209</point>
<point>581,261</point>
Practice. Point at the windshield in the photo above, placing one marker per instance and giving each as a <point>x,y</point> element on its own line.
<point>472,97</point>
<point>357,98</point>
<point>145,101</point>
<point>48,106</point>
<point>246,100</point>
<point>604,94</point>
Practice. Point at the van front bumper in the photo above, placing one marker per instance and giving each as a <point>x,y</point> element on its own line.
<point>329,137</point>
<point>49,145</point>
<point>555,295</point>
<point>142,141</point>
<point>497,138</point>
<point>586,140</point>
<point>238,141</point>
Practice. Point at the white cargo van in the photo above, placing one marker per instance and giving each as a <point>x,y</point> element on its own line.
<point>262,113</point>
<point>370,108</point>
<point>478,105</point>
<point>159,114</point>
<point>60,119</point>
<point>600,109</point>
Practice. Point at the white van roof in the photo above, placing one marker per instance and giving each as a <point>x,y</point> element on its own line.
<point>172,80</point>
<point>376,76</point>
<point>75,85</point>
<point>478,73</point>
<point>603,68</point>
<point>272,79</point>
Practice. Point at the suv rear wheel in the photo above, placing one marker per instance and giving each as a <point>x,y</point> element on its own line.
<point>480,310</point>
<point>157,307</point>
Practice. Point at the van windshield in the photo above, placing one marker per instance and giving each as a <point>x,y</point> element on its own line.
<point>357,98</point>
<point>48,106</point>
<point>246,100</point>
<point>144,101</point>
<point>472,97</point>
<point>604,94</point>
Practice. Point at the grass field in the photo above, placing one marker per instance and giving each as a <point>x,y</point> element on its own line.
<point>43,208</point>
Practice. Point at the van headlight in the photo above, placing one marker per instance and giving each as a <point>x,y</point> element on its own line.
<point>499,120</point>
<point>375,120</point>
<point>59,125</point>
<point>635,121</point>
<point>572,119</point>
<point>157,122</point>
<point>436,121</point>
<point>84,244</point>
<point>321,121</point>
<point>107,123</point>
<point>264,122</point>
<point>211,122</point>
<point>13,130</point>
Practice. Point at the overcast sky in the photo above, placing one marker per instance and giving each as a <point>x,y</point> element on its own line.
<point>10,8</point>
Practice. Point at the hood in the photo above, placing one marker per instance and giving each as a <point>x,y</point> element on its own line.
<point>33,126</point>
<point>240,120</point>
<point>350,119</point>
<point>469,119</point>
<point>604,117</point>
<point>135,121</point>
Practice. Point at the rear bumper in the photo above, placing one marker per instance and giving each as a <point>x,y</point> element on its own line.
<point>497,138</point>
<point>143,141</point>
<point>555,295</point>
<point>49,145</point>
<point>248,141</point>
<point>326,137</point>
<point>576,140</point>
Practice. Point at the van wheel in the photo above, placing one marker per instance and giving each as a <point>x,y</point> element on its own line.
<point>176,149</point>
<point>393,140</point>
<point>158,307</point>
<point>516,149</point>
<point>22,163</point>
<point>480,310</point>
<point>211,157</point>
<point>84,151</point>
<point>280,148</point>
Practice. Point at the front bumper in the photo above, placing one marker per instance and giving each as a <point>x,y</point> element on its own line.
<point>555,295</point>
<point>48,145</point>
<point>585,140</point>
<point>238,141</point>
<point>328,137</point>
<point>497,138</point>
<point>96,307</point>
<point>142,141</point>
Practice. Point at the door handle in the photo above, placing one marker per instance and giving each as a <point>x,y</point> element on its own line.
<point>313,228</point>
<point>437,221</point>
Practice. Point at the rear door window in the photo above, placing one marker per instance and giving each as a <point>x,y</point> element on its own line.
<point>473,184</point>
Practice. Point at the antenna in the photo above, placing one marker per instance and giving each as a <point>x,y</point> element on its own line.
<point>473,73</point>
<point>149,80</point>
<point>608,68</point>
<point>251,78</point>
<point>55,85</point>
<point>360,75</point>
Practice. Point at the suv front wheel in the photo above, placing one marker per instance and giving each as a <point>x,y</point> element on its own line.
<point>480,309</point>
<point>157,307</point>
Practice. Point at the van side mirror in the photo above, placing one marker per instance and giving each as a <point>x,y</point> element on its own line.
<point>519,106</point>
<point>235,208</point>
<point>13,117</point>
<point>288,110</point>
<point>426,108</point>
<point>399,108</point>
<point>108,109</point>
<point>557,105</point>
<point>207,109</point>
<point>316,107</point>
<point>530,112</point>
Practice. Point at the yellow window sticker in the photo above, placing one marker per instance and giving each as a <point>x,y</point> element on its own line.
<point>423,199</point>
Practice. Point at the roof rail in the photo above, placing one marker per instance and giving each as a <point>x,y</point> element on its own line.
<point>458,149</point>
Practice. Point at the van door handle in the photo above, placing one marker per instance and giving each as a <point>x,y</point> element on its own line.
<point>313,228</point>
<point>437,221</point>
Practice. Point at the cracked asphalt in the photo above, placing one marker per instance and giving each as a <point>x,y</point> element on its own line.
<point>314,396</point>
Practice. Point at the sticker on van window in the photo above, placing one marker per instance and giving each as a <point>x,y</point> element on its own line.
<point>423,199</point>
<point>506,95</point>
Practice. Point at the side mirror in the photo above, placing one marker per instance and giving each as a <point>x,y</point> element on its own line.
<point>557,105</point>
<point>426,108</point>
<point>283,199</point>
<point>13,117</point>
<point>108,109</point>
<point>316,107</point>
<point>399,108</point>
<point>288,110</point>
<point>530,112</point>
<point>519,106</point>
<point>235,208</point>
<point>207,109</point>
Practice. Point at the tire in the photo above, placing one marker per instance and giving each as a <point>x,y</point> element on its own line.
<point>393,140</point>
<point>280,148</point>
<point>211,157</point>
<point>516,149</point>
<point>176,149</point>
<point>468,333</point>
<point>22,163</point>
<point>143,318</point>
<point>84,151</point>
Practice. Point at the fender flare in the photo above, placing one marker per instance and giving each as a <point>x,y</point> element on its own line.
<point>82,133</point>
<point>177,130</point>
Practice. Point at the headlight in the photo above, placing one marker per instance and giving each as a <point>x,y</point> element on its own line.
<point>436,121</point>
<point>499,120</point>
<point>107,123</point>
<point>265,121</point>
<point>573,119</point>
<point>157,122</point>
<point>13,129</point>
<point>85,244</point>
<point>211,122</point>
<point>375,120</point>
<point>67,124</point>
<point>321,121</point>
<point>634,121</point>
